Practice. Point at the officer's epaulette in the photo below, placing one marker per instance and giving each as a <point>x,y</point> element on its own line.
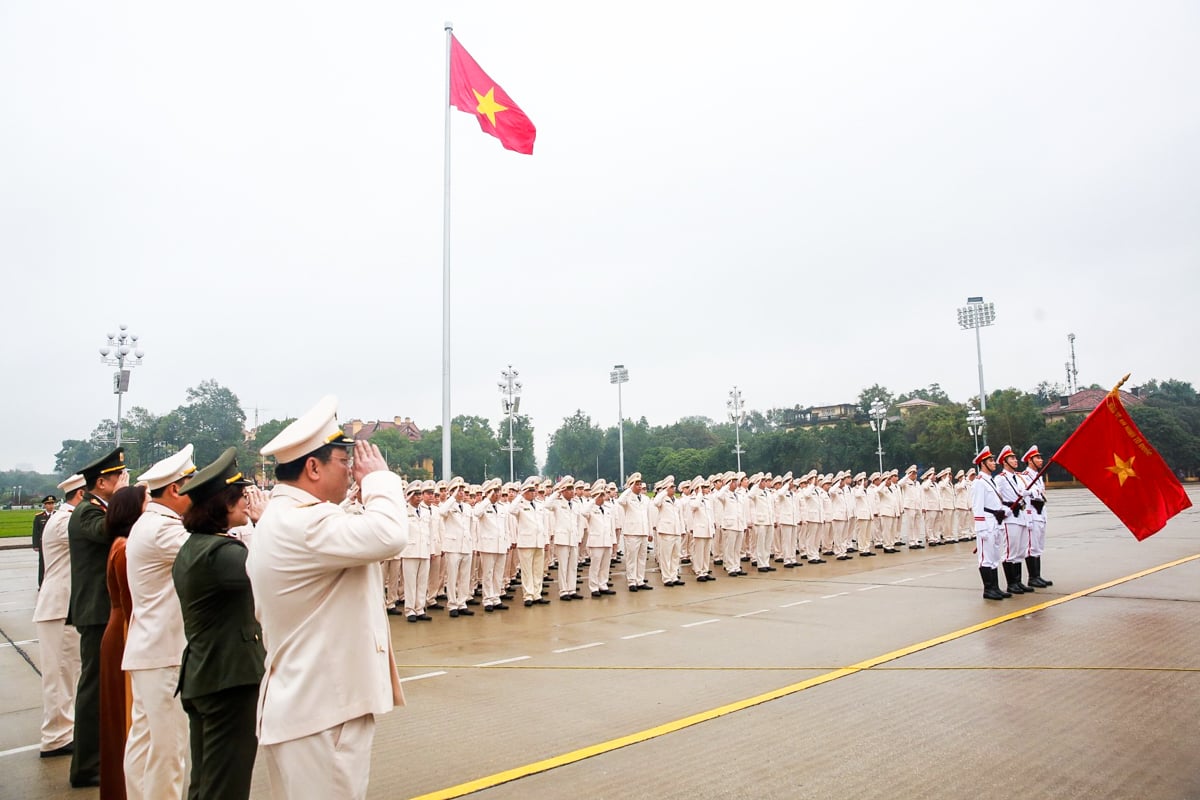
<point>96,502</point>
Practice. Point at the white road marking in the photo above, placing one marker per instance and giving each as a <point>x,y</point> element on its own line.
<point>902,580</point>
<point>425,675</point>
<point>797,603</point>
<point>25,641</point>
<point>16,750</point>
<point>867,588</point>
<point>929,575</point>
<point>831,596</point>
<point>752,613</point>
<point>701,622</point>
<point>503,661</point>
<point>640,635</point>
<point>579,647</point>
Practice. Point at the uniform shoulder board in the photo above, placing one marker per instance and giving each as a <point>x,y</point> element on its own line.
<point>96,502</point>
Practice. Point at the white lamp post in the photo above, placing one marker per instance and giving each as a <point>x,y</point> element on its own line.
<point>737,413</point>
<point>620,375</point>
<point>511,389</point>
<point>122,352</point>
<point>977,314</point>
<point>977,425</point>
<point>879,424</point>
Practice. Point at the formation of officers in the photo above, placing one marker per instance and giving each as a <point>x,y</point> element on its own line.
<point>221,606</point>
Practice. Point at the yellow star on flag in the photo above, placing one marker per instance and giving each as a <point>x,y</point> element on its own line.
<point>1122,469</point>
<point>488,105</point>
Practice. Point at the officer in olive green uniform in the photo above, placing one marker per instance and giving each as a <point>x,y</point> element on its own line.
<point>88,540</point>
<point>223,662</point>
<point>39,525</point>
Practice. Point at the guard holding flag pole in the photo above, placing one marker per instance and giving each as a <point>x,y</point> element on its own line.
<point>989,515</point>
<point>1011,487</point>
<point>1037,518</point>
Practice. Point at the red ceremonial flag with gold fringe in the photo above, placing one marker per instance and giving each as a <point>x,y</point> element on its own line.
<point>1109,455</point>
<point>472,91</point>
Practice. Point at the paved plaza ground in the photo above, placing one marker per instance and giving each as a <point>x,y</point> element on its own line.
<point>887,677</point>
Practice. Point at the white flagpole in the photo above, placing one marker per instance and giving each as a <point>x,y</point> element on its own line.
<point>446,472</point>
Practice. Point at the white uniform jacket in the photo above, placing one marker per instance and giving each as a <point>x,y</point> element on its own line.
<point>55,595</point>
<point>637,513</point>
<point>491,531</point>
<point>155,637</point>
<point>456,526</point>
<point>665,516</point>
<point>318,592</point>
<point>531,528</point>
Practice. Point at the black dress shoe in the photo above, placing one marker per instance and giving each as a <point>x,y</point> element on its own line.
<point>764,569</point>
<point>454,612</point>
<point>779,561</point>
<point>412,617</point>
<point>866,554</point>
<point>528,603</point>
<point>745,559</point>
<point>541,601</point>
<point>440,596</point>
<point>633,588</point>
<point>711,577</point>
<point>816,561</point>
<point>890,550</point>
<point>66,750</point>
<point>395,612</point>
<point>789,566</point>
<point>466,612</point>
<point>80,783</point>
<point>435,607</point>
<point>500,607</point>
<point>719,562</point>
<point>576,596</point>
<point>489,609</point>
<point>844,558</point>
<point>827,553</point>
<point>472,601</point>
<point>645,587</point>
<point>596,594</point>
<point>772,569</point>
<point>701,578</point>
<point>608,591</point>
<point>506,596</point>
<point>566,598</point>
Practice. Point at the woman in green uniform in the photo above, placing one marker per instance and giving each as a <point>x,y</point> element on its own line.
<point>223,661</point>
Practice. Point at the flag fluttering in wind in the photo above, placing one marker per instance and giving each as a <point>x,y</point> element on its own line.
<point>472,91</point>
<point>1111,457</point>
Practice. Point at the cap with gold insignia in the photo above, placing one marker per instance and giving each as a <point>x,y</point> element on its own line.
<point>216,476</point>
<point>685,485</point>
<point>170,469</point>
<point>455,484</point>
<point>530,483</point>
<point>636,477</point>
<point>874,477</point>
<point>983,455</point>
<point>912,468</point>
<point>1005,452</point>
<point>959,474</point>
<point>72,483</point>
<point>428,486</point>
<point>862,476</point>
<point>317,428</point>
<point>105,465</point>
<point>414,487</point>
<point>600,485</point>
<point>927,473</point>
<point>1030,453</point>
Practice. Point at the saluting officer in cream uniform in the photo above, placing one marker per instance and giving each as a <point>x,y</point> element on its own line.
<point>962,505</point>
<point>601,538</point>
<point>493,544</point>
<point>563,511</point>
<point>59,641</point>
<point>912,520</point>
<point>842,514</point>
<point>414,556</point>
<point>635,530</point>
<point>456,547</point>
<point>315,573</point>
<point>667,524</point>
<point>733,525</point>
<point>810,528</point>
<point>786,509</point>
<point>946,493</point>
<point>862,515</point>
<point>716,503</point>
<point>157,745</point>
<point>931,505</point>
<point>531,542</point>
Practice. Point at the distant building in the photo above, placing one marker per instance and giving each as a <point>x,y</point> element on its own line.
<point>825,416</point>
<point>916,404</point>
<point>1084,402</point>
<point>358,429</point>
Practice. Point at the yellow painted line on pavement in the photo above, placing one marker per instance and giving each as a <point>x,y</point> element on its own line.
<point>583,753</point>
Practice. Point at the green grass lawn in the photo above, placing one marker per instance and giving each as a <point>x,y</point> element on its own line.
<point>17,523</point>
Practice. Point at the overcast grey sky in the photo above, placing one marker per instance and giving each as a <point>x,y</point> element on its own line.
<point>790,197</point>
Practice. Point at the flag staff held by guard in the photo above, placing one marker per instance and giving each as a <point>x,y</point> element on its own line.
<point>470,90</point>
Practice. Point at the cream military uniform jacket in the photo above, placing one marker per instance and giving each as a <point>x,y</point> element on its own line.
<point>839,509</point>
<point>946,491</point>
<point>962,494</point>
<point>601,524</point>
<point>456,526</point>
<point>873,498</point>
<point>155,637</point>
<point>762,506</point>
<point>318,592</point>
<point>564,520</point>
<point>910,493</point>
<point>862,505</point>
<point>733,517</point>
<point>420,531</point>
<point>55,595</point>
<point>491,527</point>
<point>531,530</point>
<point>637,513</point>
<point>786,507</point>
<point>699,518</point>
<point>931,498</point>
<point>665,516</point>
<point>811,503</point>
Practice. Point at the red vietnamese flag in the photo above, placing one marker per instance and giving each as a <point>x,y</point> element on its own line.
<point>472,91</point>
<point>1109,455</point>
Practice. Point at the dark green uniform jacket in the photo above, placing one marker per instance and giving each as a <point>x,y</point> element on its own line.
<point>89,545</point>
<point>224,640</point>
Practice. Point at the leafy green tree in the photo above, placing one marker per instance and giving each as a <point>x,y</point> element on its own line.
<point>933,393</point>
<point>574,447</point>
<point>1178,447</point>
<point>872,393</point>
<point>213,420</point>
<point>939,436</point>
<point>1013,418</point>
<point>524,460</point>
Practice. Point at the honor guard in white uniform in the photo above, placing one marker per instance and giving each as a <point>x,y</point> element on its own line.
<point>667,524</point>
<point>457,547</point>
<point>733,525</point>
<point>717,504</point>
<point>861,514</point>
<point>59,641</point>
<point>931,506</point>
<point>787,518</point>
<point>912,527</point>
<point>889,511</point>
<point>762,520</point>
<point>945,487</point>
<point>841,513</point>
<point>811,519</point>
<point>157,745</point>
<point>1015,496</point>
<point>1037,517</point>
<point>315,573</point>
<point>635,530</point>
<point>989,514</point>
<point>700,523</point>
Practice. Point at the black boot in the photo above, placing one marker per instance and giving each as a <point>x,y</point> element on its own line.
<point>1016,568</point>
<point>991,587</point>
<point>1013,581</point>
<point>1035,572</point>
